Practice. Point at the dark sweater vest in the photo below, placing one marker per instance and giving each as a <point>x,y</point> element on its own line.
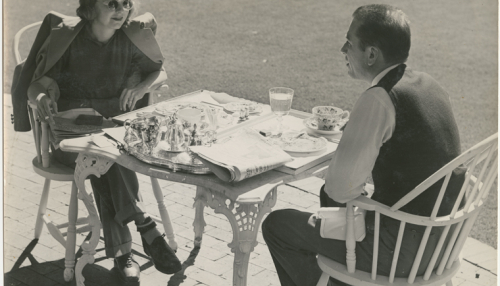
<point>425,139</point>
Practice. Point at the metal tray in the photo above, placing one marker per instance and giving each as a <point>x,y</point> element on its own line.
<point>176,161</point>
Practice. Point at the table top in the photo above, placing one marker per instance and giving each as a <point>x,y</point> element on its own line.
<point>251,189</point>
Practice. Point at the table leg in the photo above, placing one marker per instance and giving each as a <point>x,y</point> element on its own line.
<point>200,201</point>
<point>165,217</point>
<point>245,218</point>
<point>87,165</point>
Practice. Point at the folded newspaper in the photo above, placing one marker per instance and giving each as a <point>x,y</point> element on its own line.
<point>66,128</point>
<point>242,155</point>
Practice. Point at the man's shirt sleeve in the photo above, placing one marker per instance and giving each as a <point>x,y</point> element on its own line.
<point>371,123</point>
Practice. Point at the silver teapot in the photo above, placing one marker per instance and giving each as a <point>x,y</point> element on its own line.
<point>145,129</point>
<point>174,135</point>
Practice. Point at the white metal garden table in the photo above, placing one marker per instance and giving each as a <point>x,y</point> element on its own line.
<point>243,203</point>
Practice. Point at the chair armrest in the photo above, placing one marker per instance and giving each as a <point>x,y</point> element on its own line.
<point>368,204</point>
<point>41,136</point>
<point>158,92</point>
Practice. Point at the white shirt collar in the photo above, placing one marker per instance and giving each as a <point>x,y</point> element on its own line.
<point>382,74</point>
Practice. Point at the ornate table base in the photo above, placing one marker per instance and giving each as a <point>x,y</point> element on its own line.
<point>87,165</point>
<point>244,217</point>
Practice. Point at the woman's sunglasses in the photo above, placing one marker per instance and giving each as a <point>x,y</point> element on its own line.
<point>113,5</point>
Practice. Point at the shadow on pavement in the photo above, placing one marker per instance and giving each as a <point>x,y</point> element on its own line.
<point>179,277</point>
<point>52,272</point>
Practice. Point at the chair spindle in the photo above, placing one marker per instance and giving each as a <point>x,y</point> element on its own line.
<point>375,245</point>
<point>449,247</point>
<point>479,178</point>
<point>45,145</point>
<point>350,239</point>
<point>461,239</point>
<point>435,255</point>
<point>486,187</point>
<point>420,253</point>
<point>439,199</point>
<point>396,251</point>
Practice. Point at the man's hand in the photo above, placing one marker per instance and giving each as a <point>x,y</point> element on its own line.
<point>46,108</point>
<point>130,96</point>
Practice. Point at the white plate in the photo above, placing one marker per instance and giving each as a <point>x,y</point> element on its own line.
<point>300,142</point>
<point>312,124</point>
<point>167,108</point>
<point>237,105</point>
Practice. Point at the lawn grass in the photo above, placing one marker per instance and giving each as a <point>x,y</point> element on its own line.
<point>245,47</point>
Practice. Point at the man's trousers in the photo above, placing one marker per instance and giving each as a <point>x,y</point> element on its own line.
<point>294,244</point>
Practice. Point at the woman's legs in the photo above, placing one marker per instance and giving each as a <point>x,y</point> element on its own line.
<point>119,201</point>
<point>117,198</point>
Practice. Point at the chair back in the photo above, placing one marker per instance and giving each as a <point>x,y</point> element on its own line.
<point>21,36</point>
<point>23,41</point>
<point>482,171</point>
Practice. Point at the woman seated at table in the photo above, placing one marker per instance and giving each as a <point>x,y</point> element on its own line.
<point>91,63</point>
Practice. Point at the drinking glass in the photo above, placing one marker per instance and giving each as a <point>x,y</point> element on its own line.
<point>281,102</point>
<point>213,124</point>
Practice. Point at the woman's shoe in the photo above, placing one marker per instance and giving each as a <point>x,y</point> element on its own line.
<point>128,268</point>
<point>163,256</point>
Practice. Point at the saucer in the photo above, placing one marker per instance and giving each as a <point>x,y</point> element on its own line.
<point>298,142</point>
<point>169,108</point>
<point>312,124</point>
<point>237,105</point>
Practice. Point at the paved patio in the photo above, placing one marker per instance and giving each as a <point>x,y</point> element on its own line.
<point>209,265</point>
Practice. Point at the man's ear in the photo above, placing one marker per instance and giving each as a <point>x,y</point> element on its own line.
<point>372,54</point>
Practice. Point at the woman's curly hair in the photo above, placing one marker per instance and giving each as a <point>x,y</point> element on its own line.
<point>87,11</point>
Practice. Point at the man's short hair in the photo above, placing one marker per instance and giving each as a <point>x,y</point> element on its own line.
<point>385,27</point>
<point>86,11</point>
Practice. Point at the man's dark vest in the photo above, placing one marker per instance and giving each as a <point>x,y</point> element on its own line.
<point>425,139</point>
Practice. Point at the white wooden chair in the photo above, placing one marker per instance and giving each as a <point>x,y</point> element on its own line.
<point>482,171</point>
<point>45,166</point>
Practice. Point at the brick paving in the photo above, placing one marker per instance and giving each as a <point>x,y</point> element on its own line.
<point>209,265</point>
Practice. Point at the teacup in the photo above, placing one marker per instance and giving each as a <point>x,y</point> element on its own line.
<point>329,116</point>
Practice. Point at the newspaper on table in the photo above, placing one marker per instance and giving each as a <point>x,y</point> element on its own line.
<point>241,155</point>
<point>64,126</point>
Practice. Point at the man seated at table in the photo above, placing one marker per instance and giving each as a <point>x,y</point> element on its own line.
<point>401,131</point>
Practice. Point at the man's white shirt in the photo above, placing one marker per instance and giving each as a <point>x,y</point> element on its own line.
<point>372,122</point>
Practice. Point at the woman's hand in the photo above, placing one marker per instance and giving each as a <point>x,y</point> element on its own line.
<point>130,96</point>
<point>46,108</point>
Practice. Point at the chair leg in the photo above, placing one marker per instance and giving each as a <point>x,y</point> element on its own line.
<point>69,260</point>
<point>165,217</point>
<point>42,209</point>
<point>323,280</point>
